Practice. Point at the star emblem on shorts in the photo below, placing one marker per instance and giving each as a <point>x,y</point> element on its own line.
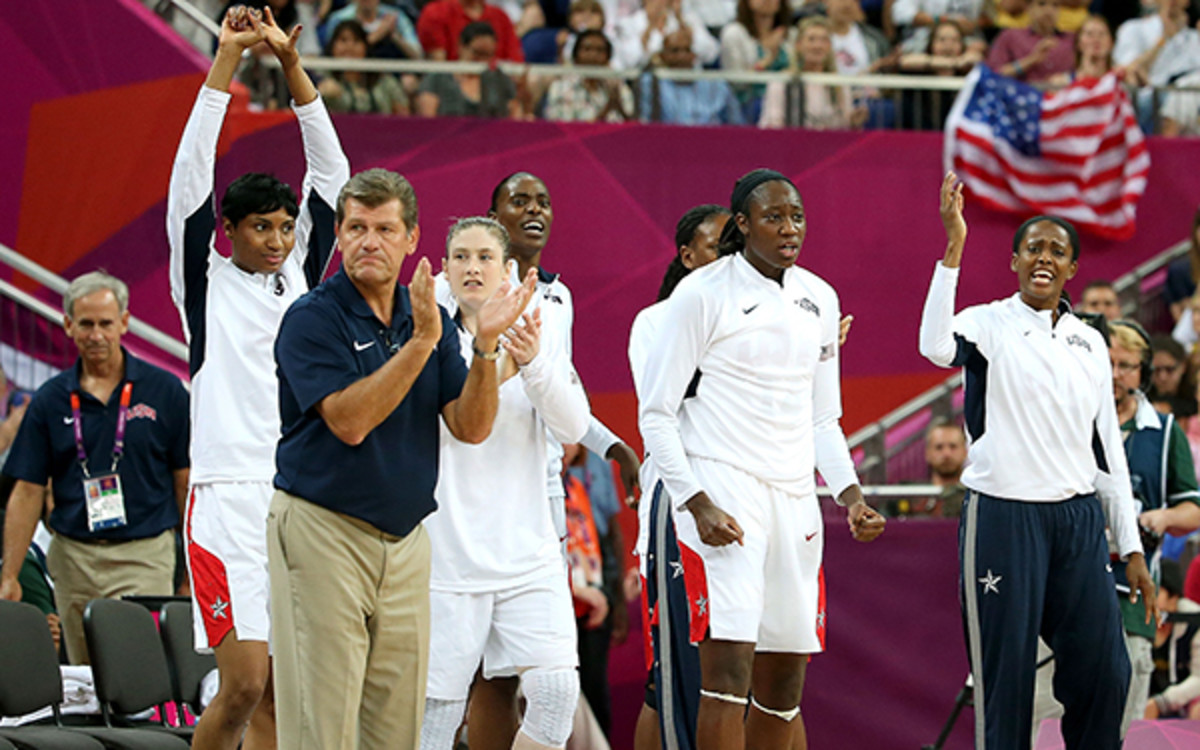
<point>218,609</point>
<point>989,582</point>
<point>701,605</point>
<point>676,568</point>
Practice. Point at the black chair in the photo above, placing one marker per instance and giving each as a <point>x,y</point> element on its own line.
<point>30,680</point>
<point>129,666</point>
<point>188,668</point>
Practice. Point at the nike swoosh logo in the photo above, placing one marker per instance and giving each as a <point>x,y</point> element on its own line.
<point>809,537</point>
<point>751,309</point>
<point>359,347</point>
<point>68,420</point>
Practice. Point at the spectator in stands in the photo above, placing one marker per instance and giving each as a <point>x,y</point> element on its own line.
<point>916,19</point>
<point>1093,48</point>
<point>945,455</point>
<point>584,15</point>
<point>487,94</point>
<point>643,35</point>
<point>110,435</point>
<point>443,22</point>
<point>36,588</point>
<point>1100,297</point>
<point>356,91</point>
<point>946,55</point>
<point>1180,113</point>
<point>1172,383</point>
<point>389,31</point>
<point>857,48</point>
<point>1183,273</point>
<point>1177,653</point>
<point>574,98</point>
<point>824,107</point>
<point>1035,53</point>
<point>16,404</point>
<point>1159,48</point>
<point>756,40</point>
<point>707,102</point>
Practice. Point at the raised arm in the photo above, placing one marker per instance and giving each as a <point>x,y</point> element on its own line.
<point>328,169</point>
<point>550,382</point>
<point>937,341</point>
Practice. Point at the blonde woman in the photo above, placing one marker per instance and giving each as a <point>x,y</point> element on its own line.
<point>823,107</point>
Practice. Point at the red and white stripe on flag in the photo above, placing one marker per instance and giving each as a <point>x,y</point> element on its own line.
<point>1093,162</point>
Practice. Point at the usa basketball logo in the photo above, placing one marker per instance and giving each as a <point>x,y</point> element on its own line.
<point>141,411</point>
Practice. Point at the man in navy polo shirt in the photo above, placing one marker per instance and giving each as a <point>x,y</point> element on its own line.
<point>366,367</point>
<point>111,435</point>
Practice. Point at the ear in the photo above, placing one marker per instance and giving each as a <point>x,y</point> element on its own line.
<point>687,257</point>
<point>124,322</point>
<point>491,214</point>
<point>1012,264</point>
<point>510,266</point>
<point>414,237</point>
<point>743,222</point>
<point>227,227</point>
<point>67,324</point>
<point>1074,269</point>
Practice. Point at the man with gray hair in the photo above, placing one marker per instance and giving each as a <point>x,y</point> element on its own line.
<point>111,436</point>
<point>366,368</point>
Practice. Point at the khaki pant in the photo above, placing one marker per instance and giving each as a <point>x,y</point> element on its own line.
<point>349,629</point>
<point>84,571</point>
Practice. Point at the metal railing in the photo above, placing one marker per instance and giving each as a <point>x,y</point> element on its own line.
<point>52,281</point>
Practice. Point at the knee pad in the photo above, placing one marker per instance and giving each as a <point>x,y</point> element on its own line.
<point>551,696</point>
<point>442,719</point>
<point>787,716</point>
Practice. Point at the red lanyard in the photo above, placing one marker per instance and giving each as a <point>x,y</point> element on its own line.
<point>118,441</point>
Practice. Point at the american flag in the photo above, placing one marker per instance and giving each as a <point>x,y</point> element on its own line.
<point>1076,153</point>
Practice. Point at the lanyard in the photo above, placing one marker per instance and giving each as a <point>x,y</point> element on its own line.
<point>118,441</point>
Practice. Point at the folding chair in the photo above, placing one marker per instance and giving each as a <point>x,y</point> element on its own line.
<point>129,666</point>
<point>30,681</point>
<point>188,668</point>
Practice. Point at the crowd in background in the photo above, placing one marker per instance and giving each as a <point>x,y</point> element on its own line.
<point>1047,43</point>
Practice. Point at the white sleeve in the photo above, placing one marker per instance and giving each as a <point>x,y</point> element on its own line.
<point>1182,693</point>
<point>191,209</point>
<point>1112,486</point>
<point>903,12</point>
<point>704,44</point>
<point>943,334</point>
<point>669,370</point>
<point>328,170</point>
<point>628,51</point>
<point>1127,47</point>
<point>599,438</point>
<point>1184,332</point>
<point>556,393</point>
<point>832,454</point>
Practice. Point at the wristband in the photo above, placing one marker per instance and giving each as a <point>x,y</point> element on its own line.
<point>1017,67</point>
<point>488,356</point>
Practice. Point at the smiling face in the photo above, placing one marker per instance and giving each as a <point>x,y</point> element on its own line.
<point>262,242</point>
<point>814,47</point>
<point>523,209</point>
<point>349,44</point>
<point>374,242</point>
<point>775,228</point>
<point>1043,15</point>
<point>1043,264</point>
<point>474,267</point>
<point>96,324</point>
<point>947,41</point>
<point>1094,40</point>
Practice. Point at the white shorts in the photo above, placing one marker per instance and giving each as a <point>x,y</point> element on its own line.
<point>511,630</point>
<point>770,590</point>
<point>226,538</point>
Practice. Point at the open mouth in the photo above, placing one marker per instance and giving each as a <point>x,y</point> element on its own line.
<point>1042,277</point>
<point>534,226</point>
<point>789,250</point>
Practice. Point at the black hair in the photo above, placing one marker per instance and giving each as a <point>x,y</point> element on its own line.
<point>257,193</point>
<point>1066,226</point>
<point>689,223</point>
<point>1163,342</point>
<point>354,27</point>
<point>676,272</point>
<point>1171,577</point>
<point>589,33</point>
<point>500,186</point>
<point>474,30</point>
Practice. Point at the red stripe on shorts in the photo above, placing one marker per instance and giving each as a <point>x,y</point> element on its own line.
<point>821,605</point>
<point>648,624</point>
<point>695,580</point>
<point>210,587</point>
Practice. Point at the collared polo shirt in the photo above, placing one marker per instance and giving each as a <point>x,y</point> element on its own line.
<point>156,444</point>
<point>329,340</point>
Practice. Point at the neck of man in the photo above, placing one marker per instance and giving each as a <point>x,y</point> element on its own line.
<point>1046,30</point>
<point>841,26</point>
<point>1127,408</point>
<point>473,8</point>
<point>381,298</point>
<point>100,379</point>
<point>944,480</point>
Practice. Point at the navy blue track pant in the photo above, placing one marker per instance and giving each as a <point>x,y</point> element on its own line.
<point>1041,568</point>
<point>675,674</point>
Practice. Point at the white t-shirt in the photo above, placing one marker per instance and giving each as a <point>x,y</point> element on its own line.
<point>850,52</point>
